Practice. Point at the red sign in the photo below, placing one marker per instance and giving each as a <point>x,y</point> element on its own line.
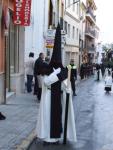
<point>22,11</point>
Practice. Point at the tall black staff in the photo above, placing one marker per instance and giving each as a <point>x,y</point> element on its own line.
<point>67,107</point>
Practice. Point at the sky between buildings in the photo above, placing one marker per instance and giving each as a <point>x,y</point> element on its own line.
<point>104,17</point>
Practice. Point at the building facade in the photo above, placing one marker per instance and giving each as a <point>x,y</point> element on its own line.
<point>90,34</point>
<point>11,52</point>
<point>44,16</point>
<point>82,32</point>
<point>77,22</point>
<point>71,27</point>
<point>35,34</point>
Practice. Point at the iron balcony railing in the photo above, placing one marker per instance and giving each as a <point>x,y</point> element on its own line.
<point>90,48</point>
<point>90,32</point>
<point>89,11</point>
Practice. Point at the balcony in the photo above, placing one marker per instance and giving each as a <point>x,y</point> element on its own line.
<point>90,16</point>
<point>90,33</point>
<point>91,49</point>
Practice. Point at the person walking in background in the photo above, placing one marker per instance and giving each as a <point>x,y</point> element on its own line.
<point>108,70</point>
<point>98,71</point>
<point>108,82</point>
<point>102,69</point>
<point>82,71</point>
<point>73,77</point>
<point>47,60</point>
<point>2,117</point>
<point>39,63</point>
<point>112,72</point>
<point>29,71</point>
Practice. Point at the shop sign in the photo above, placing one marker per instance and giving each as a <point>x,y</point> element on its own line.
<point>49,43</point>
<point>50,38</point>
<point>22,12</point>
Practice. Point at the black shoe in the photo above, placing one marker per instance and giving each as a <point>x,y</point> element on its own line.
<point>46,143</point>
<point>2,117</point>
<point>56,143</point>
<point>38,100</point>
<point>74,94</point>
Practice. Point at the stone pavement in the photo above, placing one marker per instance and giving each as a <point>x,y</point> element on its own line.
<point>84,111</point>
<point>16,132</point>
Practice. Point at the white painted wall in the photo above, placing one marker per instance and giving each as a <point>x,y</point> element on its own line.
<point>72,18</point>
<point>82,21</point>
<point>99,50</point>
<point>70,40</point>
<point>36,32</point>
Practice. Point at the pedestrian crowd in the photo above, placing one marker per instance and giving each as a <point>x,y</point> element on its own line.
<point>33,73</point>
<point>86,70</point>
<point>105,72</point>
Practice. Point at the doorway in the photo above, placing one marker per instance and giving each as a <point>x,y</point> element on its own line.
<point>12,53</point>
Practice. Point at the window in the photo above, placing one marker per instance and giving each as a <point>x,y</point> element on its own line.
<point>62,11</point>
<point>73,5</point>
<point>77,9</point>
<point>68,30</point>
<point>77,33</point>
<point>65,26</point>
<point>13,47</point>
<point>50,14</point>
<point>68,3</point>
<point>73,33</point>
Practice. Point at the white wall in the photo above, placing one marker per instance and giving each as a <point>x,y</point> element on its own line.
<point>99,50</point>
<point>36,32</point>
<point>70,40</point>
<point>72,18</point>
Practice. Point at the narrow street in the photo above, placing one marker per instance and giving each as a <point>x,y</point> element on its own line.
<point>94,123</point>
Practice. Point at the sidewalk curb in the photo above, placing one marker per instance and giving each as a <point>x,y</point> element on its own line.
<point>26,142</point>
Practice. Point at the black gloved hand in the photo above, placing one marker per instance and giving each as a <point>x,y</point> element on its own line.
<point>63,74</point>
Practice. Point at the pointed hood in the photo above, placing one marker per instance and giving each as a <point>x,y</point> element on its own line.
<point>56,59</point>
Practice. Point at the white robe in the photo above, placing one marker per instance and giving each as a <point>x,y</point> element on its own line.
<point>43,123</point>
<point>106,71</point>
<point>108,81</point>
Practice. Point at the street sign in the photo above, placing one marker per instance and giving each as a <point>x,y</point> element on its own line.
<point>49,42</point>
<point>50,38</point>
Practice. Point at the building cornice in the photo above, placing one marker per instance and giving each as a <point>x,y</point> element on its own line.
<point>71,16</point>
<point>71,45</point>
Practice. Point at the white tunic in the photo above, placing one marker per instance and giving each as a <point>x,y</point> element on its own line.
<point>43,123</point>
<point>106,71</point>
<point>108,81</point>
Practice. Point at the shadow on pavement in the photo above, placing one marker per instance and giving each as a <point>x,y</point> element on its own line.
<point>37,144</point>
